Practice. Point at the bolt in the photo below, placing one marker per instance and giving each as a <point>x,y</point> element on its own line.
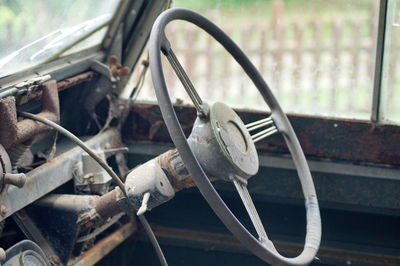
<point>3,210</point>
<point>17,180</point>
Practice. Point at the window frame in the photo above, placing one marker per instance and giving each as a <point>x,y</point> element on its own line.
<point>376,115</point>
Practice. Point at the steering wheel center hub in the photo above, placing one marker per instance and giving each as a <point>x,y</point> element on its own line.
<point>229,147</point>
<point>236,134</point>
<point>233,139</point>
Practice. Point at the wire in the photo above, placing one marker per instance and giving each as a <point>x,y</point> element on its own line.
<point>132,98</point>
<point>108,169</point>
<point>141,79</point>
<point>135,91</point>
<point>81,144</point>
<point>153,240</point>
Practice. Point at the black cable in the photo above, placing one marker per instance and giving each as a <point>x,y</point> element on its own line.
<point>109,170</point>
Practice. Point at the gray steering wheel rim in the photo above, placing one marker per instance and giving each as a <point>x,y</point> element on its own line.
<point>158,43</point>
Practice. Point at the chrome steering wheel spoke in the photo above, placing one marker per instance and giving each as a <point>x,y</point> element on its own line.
<point>266,123</point>
<point>248,203</point>
<point>186,82</point>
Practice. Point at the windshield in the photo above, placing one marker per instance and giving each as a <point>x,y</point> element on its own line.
<point>36,31</point>
<point>317,56</point>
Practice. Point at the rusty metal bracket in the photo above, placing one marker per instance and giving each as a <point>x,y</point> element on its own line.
<point>110,75</point>
<point>60,170</point>
<point>25,87</point>
<point>106,245</point>
<point>13,132</point>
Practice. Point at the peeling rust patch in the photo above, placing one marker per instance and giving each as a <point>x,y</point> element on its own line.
<point>107,205</point>
<point>328,138</point>
<point>65,84</point>
<point>171,163</point>
<point>75,80</point>
<point>106,245</point>
<point>13,132</point>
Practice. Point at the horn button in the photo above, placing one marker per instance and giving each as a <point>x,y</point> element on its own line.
<point>223,145</point>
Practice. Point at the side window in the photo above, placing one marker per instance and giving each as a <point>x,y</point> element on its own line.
<point>390,107</point>
<point>34,32</point>
<point>318,56</point>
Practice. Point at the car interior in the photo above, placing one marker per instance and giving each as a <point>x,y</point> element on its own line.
<point>226,132</point>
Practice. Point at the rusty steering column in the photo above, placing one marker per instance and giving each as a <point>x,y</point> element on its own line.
<point>148,185</point>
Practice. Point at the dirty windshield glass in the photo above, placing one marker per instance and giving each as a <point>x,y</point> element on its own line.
<point>317,56</point>
<point>36,31</point>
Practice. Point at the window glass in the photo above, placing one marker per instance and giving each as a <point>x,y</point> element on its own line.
<point>35,31</point>
<point>317,56</point>
<point>390,100</point>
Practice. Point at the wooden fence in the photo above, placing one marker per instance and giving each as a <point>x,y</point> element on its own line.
<point>314,67</point>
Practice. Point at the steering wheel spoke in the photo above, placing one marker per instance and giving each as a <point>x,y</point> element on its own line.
<point>186,82</point>
<point>266,123</point>
<point>248,203</point>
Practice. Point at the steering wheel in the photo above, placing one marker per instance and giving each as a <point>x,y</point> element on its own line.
<point>220,145</point>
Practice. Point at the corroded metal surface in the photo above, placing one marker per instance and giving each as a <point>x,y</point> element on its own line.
<point>327,138</point>
<point>113,202</point>
<point>75,80</point>
<point>105,246</point>
<point>172,164</point>
<point>13,132</point>
<point>53,174</point>
<point>65,84</point>
<point>107,205</point>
